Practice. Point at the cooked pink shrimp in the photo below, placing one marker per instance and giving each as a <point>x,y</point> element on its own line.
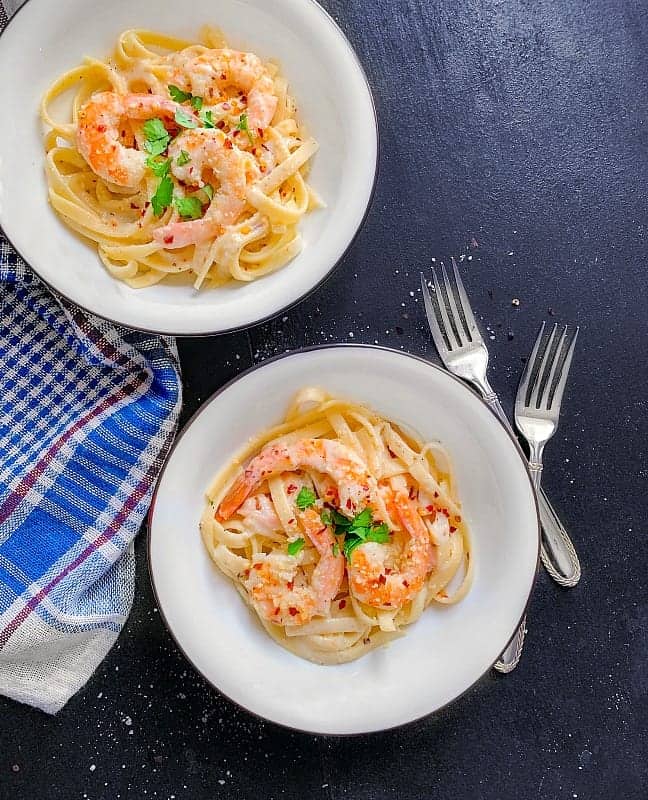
<point>278,585</point>
<point>98,134</point>
<point>259,515</point>
<point>209,153</point>
<point>356,486</point>
<point>207,73</point>
<point>374,578</point>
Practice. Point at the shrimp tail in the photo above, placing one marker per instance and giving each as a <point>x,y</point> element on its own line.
<point>236,496</point>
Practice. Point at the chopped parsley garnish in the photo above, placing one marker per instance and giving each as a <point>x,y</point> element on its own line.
<point>305,498</point>
<point>185,120</point>
<point>157,137</point>
<point>243,126</point>
<point>336,549</point>
<point>208,189</point>
<point>188,207</point>
<point>207,119</point>
<point>295,548</point>
<point>356,531</point>
<point>183,158</point>
<point>161,200</point>
<point>178,95</point>
<point>157,167</point>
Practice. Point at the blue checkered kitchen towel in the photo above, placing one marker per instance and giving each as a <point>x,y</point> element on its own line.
<point>88,412</point>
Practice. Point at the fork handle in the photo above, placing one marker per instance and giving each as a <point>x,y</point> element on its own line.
<point>556,549</point>
<point>510,658</point>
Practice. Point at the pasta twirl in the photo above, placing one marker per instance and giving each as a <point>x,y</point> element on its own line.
<point>179,161</point>
<point>338,528</point>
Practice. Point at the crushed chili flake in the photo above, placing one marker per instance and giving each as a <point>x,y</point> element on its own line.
<point>277,610</point>
<point>452,529</point>
<point>341,604</point>
<point>291,521</point>
<point>220,124</point>
<point>436,494</point>
<point>382,580</point>
<point>168,240</point>
<point>391,452</point>
<point>101,128</point>
<point>228,144</point>
<point>290,585</point>
<point>405,583</point>
<point>257,566</point>
<point>413,493</point>
<point>292,488</point>
<point>293,611</point>
<point>430,509</point>
<point>349,503</point>
<point>388,571</point>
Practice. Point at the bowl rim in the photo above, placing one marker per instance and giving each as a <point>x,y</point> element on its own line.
<point>292,303</point>
<point>203,406</point>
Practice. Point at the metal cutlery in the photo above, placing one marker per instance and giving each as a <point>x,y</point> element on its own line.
<point>462,350</point>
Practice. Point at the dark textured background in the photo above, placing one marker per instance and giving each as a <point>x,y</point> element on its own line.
<point>512,132</point>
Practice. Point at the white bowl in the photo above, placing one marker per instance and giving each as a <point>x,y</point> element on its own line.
<point>44,39</point>
<point>448,648</point>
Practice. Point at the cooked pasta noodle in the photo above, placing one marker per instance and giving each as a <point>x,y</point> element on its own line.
<point>338,528</point>
<point>179,161</point>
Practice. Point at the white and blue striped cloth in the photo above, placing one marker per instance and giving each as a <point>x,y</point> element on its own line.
<point>88,412</point>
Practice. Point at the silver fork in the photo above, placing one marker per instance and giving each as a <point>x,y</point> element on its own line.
<point>539,395</point>
<point>462,350</point>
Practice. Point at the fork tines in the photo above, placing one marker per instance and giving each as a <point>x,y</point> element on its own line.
<point>448,310</point>
<point>545,375</point>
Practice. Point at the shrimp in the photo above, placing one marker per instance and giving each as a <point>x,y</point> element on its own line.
<point>278,586</point>
<point>204,72</point>
<point>259,515</point>
<point>372,581</point>
<point>98,134</point>
<point>208,151</point>
<point>356,487</point>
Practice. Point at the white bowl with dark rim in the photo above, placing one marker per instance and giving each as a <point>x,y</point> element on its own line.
<point>44,39</point>
<point>441,655</point>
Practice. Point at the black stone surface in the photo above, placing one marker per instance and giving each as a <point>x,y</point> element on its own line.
<point>513,133</point>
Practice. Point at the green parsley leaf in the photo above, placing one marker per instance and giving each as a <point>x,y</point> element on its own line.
<point>295,548</point>
<point>183,158</point>
<point>154,129</point>
<point>178,95</point>
<point>379,533</point>
<point>341,521</point>
<point>185,120</point>
<point>163,196</point>
<point>363,519</point>
<point>207,119</point>
<point>336,549</point>
<point>188,207</point>
<point>196,103</point>
<point>243,126</point>
<point>158,168</point>
<point>326,516</point>
<point>208,189</point>
<point>305,498</point>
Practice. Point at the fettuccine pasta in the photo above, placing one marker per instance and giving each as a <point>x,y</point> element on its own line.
<point>179,161</point>
<point>338,528</point>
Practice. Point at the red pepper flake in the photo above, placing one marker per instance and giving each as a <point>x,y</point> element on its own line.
<point>223,76</point>
<point>388,571</point>
<point>260,132</point>
<point>349,503</point>
<point>134,206</point>
<point>446,512</point>
<point>220,124</point>
<point>341,604</point>
<point>123,134</point>
<point>457,518</point>
<point>147,204</point>
<point>293,611</point>
<point>405,583</point>
<point>168,240</point>
<point>291,521</point>
<point>413,493</point>
<point>382,580</point>
<point>101,128</point>
<point>292,488</point>
<point>290,585</point>
<point>244,98</point>
<point>436,494</point>
<point>430,509</point>
<point>236,132</point>
<point>391,452</point>
<point>246,572</point>
<point>276,611</point>
<point>452,529</point>
<point>257,566</point>
<point>228,144</point>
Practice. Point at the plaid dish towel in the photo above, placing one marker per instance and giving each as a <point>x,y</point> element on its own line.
<point>88,412</point>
